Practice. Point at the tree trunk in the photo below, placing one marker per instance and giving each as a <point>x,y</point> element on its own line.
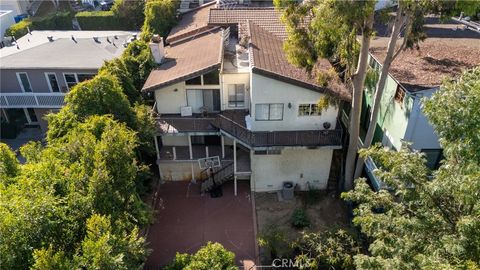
<point>358,81</point>
<point>398,24</point>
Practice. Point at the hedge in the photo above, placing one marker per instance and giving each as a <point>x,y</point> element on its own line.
<point>19,29</point>
<point>55,21</point>
<point>100,20</point>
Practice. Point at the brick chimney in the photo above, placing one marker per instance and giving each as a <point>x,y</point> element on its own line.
<point>157,48</point>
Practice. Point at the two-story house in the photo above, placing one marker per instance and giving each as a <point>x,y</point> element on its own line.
<point>224,88</point>
<point>415,75</point>
<point>38,70</point>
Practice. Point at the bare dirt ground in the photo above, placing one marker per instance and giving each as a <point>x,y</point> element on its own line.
<point>325,211</point>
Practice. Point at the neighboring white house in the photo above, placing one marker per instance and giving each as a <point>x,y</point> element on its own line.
<point>224,88</point>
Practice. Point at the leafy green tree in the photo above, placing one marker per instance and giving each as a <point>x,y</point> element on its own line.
<point>117,68</point>
<point>146,128</point>
<point>429,220</point>
<point>211,256</point>
<point>9,167</point>
<point>130,12</point>
<point>98,96</point>
<point>332,249</point>
<point>160,16</point>
<point>138,61</point>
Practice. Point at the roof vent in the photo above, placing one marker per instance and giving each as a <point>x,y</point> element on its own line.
<point>108,40</point>
<point>115,37</point>
<point>73,38</point>
<point>50,38</point>
<point>96,39</point>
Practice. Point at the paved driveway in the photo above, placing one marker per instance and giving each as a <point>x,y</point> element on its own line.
<point>185,221</point>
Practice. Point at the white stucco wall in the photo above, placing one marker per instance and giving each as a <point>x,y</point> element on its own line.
<point>170,101</point>
<point>234,78</point>
<point>297,165</point>
<point>267,90</point>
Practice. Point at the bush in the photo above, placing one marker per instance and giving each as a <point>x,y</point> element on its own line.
<point>100,20</point>
<point>211,256</point>
<point>130,12</point>
<point>55,21</point>
<point>274,240</point>
<point>19,29</point>
<point>300,219</point>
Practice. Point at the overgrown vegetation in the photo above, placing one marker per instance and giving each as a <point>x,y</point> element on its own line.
<point>160,16</point>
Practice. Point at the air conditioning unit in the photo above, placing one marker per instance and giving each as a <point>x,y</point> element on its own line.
<point>186,111</point>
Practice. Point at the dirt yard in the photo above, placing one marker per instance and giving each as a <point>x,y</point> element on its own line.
<point>324,211</point>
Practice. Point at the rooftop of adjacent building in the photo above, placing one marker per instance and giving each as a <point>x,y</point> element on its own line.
<point>450,48</point>
<point>64,49</point>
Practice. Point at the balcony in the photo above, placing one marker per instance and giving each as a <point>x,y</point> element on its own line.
<point>32,100</point>
<point>232,123</point>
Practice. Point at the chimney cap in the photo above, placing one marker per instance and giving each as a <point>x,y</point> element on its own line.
<point>156,38</point>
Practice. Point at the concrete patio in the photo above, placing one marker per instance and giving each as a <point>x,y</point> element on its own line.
<point>185,221</point>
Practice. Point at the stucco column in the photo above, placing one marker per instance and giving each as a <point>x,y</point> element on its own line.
<point>235,166</point>
<point>190,146</point>
<point>223,146</point>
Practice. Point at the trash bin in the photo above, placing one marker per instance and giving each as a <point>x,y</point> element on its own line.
<point>287,191</point>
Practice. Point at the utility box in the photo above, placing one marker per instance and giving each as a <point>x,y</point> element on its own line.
<point>287,190</point>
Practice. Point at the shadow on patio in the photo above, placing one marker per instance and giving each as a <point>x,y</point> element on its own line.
<point>185,221</point>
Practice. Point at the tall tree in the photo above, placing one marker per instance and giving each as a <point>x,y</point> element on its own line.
<point>429,220</point>
<point>328,29</point>
<point>160,16</point>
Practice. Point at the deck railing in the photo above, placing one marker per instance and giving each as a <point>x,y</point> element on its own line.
<point>32,100</point>
<point>280,138</point>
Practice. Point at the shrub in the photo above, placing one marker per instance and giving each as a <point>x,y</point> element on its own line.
<point>300,219</point>
<point>130,12</point>
<point>19,29</point>
<point>275,241</point>
<point>100,20</point>
<point>211,256</point>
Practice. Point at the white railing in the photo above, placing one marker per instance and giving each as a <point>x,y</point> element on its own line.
<point>32,100</point>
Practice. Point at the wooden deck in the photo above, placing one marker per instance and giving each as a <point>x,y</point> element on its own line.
<point>232,123</point>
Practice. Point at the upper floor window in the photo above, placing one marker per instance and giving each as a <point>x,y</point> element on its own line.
<point>308,110</point>
<point>269,112</point>
<point>236,95</point>
<point>52,82</point>
<point>71,79</point>
<point>24,81</point>
<point>194,81</point>
<point>399,94</point>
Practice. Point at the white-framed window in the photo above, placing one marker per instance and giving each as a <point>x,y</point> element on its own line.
<point>269,112</point>
<point>236,95</point>
<point>24,81</point>
<point>52,82</point>
<point>308,110</point>
<point>71,79</point>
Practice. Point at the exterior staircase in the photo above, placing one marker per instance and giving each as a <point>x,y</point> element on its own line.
<point>218,178</point>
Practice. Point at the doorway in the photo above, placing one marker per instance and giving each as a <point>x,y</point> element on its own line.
<point>199,98</point>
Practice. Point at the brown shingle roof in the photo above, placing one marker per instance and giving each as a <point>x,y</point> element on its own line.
<point>188,59</point>
<point>269,59</point>
<point>267,18</point>
<point>446,52</point>
<point>193,21</point>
